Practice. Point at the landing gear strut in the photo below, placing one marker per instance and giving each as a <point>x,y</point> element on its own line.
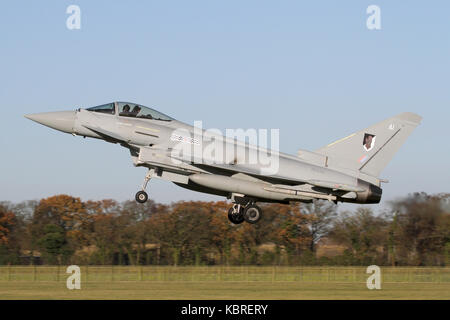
<point>142,196</point>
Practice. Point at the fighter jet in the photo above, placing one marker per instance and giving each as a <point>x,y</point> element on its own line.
<point>347,170</point>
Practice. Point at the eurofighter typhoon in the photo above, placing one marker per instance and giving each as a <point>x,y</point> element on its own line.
<point>346,170</point>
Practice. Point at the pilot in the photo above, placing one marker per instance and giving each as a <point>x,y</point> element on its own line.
<point>125,110</point>
<point>135,111</point>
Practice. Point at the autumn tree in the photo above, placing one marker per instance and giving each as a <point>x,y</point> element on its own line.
<point>53,244</point>
<point>136,231</point>
<point>223,232</point>
<point>363,234</point>
<point>184,229</point>
<point>291,230</point>
<point>63,211</point>
<point>320,215</point>
<point>66,229</point>
<point>6,224</point>
<point>104,237</point>
<point>423,229</point>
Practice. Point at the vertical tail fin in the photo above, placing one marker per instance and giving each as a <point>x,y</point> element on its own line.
<point>371,149</point>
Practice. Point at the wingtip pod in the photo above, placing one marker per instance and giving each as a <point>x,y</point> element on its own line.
<point>410,116</point>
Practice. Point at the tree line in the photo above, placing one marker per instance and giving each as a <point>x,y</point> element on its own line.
<point>62,229</point>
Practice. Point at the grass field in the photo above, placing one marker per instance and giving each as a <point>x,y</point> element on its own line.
<point>219,282</point>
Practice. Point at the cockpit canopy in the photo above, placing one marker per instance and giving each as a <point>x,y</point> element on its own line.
<point>130,109</point>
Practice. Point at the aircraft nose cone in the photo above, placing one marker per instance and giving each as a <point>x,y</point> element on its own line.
<point>62,120</point>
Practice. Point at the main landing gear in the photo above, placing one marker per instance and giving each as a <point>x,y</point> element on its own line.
<point>142,196</point>
<point>250,213</point>
<point>236,214</point>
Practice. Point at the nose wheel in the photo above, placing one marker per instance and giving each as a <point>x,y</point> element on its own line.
<point>142,196</point>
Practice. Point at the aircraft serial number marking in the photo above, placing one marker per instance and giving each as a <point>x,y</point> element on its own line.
<point>177,137</point>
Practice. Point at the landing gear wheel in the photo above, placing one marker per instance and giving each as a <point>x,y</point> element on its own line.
<point>236,218</point>
<point>252,214</point>
<point>141,196</point>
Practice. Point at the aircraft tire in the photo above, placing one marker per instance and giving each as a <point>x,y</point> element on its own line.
<point>141,196</point>
<point>252,214</point>
<point>235,218</point>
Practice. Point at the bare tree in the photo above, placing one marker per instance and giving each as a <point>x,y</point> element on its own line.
<point>320,215</point>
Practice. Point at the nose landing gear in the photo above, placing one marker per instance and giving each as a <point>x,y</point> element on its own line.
<point>142,196</point>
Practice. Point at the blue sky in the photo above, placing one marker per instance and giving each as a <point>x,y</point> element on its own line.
<point>311,69</point>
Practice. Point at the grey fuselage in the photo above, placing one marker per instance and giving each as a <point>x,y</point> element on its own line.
<point>156,144</point>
